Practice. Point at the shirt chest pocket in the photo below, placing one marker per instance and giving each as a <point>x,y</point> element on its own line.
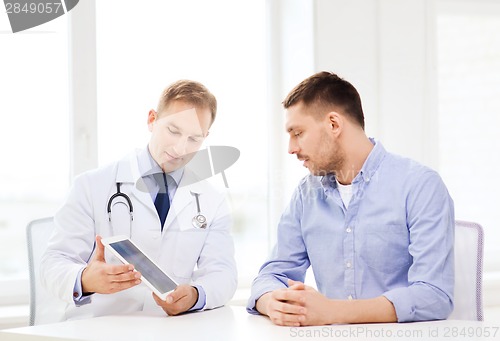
<point>385,248</point>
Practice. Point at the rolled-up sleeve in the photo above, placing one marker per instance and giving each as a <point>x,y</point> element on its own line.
<point>431,224</point>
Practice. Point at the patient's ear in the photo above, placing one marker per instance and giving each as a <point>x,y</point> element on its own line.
<point>335,122</point>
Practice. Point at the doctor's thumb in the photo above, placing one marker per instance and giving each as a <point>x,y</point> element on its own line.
<point>99,249</point>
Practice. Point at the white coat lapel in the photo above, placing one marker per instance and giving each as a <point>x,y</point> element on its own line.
<point>182,199</point>
<point>128,173</point>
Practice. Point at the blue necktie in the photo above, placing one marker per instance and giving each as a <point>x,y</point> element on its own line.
<point>162,202</point>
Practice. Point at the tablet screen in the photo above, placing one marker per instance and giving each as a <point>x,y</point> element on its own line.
<point>144,265</point>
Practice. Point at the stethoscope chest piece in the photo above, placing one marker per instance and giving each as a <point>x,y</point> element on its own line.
<point>200,221</point>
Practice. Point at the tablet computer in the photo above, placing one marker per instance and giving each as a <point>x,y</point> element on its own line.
<point>129,253</point>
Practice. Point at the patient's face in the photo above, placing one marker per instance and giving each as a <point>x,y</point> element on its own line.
<point>312,141</point>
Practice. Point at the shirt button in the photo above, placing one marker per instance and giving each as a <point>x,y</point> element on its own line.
<point>348,264</point>
<point>75,294</point>
<point>348,230</point>
<point>349,297</point>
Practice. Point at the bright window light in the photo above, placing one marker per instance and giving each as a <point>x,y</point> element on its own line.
<point>34,134</point>
<point>219,43</point>
<point>469,114</point>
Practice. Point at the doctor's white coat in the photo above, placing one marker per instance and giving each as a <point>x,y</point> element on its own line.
<point>190,255</point>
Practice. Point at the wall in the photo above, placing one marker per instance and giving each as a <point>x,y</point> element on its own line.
<point>384,49</point>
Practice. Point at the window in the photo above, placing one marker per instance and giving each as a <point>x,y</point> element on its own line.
<point>219,43</point>
<point>469,113</point>
<point>34,134</point>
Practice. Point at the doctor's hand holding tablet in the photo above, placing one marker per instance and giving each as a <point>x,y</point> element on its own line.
<point>100,277</point>
<point>174,299</point>
<point>109,278</point>
<point>126,229</point>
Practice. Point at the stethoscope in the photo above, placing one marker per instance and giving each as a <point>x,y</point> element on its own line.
<point>198,221</point>
<point>123,195</point>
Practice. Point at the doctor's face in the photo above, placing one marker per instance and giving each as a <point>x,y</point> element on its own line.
<point>177,133</point>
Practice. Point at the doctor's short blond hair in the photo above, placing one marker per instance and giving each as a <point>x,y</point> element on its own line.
<point>190,92</point>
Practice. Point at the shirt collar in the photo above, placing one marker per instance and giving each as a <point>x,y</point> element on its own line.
<point>369,168</point>
<point>148,166</point>
<point>372,162</point>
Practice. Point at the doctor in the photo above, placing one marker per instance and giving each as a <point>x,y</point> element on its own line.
<point>78,270</point>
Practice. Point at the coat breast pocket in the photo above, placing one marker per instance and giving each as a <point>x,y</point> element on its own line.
<point>188,248</point>
<point>385,248</point>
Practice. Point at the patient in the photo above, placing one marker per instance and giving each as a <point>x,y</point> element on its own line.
<point>377,228</point>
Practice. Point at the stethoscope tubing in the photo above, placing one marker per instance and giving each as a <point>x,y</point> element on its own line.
<point>123,195</point>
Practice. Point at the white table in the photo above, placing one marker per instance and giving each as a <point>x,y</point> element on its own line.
<point>234,323</point>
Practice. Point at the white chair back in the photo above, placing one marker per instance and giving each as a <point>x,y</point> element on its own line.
<point>44,308</point>
<point>468,302</point>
